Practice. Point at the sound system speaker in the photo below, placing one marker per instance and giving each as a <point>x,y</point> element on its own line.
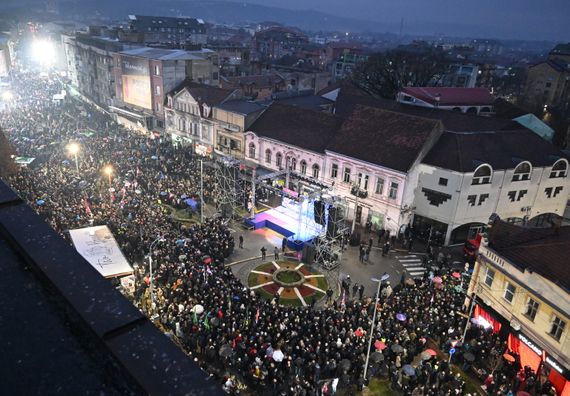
<point>319,212</point>
<point>308,256</point>
<point>332,223</point>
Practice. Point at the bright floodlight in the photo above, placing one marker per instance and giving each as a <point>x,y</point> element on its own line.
<point>7,96</point>
<point>43,52</point>
<point>108,170</point>
<point>73,148</point>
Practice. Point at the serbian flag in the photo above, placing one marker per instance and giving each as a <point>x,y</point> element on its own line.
<point>257,315</point>
<point>87,208</point>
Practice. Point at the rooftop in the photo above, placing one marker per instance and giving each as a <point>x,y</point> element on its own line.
<point>166,54</point>
<point>465,151</point>
<point>540,250</point>
<point>242,107</point>
<point>203,93</point>
<point>451,96</point>
<point>143,21</point>
<point>561,49</point>
<point>297,126</point>
<point>385,138</point>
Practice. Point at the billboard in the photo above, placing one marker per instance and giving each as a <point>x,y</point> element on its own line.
<point>136,82</point>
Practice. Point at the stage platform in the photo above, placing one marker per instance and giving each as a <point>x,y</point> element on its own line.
<point>292,220</point>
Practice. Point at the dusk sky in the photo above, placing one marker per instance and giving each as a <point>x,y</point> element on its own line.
<point>526,19</point>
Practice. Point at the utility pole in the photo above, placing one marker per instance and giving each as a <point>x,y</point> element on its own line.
<point>379,281</point>
<point>252,212</point>
<point>201,191</point>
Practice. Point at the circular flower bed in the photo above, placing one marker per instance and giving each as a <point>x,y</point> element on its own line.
<point>295,283</point>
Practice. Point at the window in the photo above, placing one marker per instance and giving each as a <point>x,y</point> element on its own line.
<point>531,309</point>
<point>303,167</point>
<point>482,175</point>
<point>557,327</point>
<point>157,89</point>
<point>522,172</point>
<point>393,190</point>
<point>379,185</point>
<point>442,181</point>
<point>559,169</point>
<point>156,70</point>
<point>548,85</point>
<point>489,277</point>
<point>293,163</point>
<point>363,181</point>
<point>346,175</point>
<point>279,160</point>
<point>334,171</point>
<point>268,156</point>
<point>251,150</point>
<point>316,170</point>
<point>510,292</point>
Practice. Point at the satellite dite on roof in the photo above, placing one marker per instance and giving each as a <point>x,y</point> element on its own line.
<point>98,246</point>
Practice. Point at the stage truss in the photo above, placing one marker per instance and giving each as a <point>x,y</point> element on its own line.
<point>328,245</point>
<point>228,190</point>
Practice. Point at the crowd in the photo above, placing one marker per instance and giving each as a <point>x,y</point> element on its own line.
<point>230,330</point>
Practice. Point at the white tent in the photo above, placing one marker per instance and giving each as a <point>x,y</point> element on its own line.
<point>98,246</point>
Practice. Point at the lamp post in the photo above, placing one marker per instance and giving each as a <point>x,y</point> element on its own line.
<point>157,240</point>
<point>383,278</point>
<point>201,192</point>
<point>73,149</point>
<point>109,172</point>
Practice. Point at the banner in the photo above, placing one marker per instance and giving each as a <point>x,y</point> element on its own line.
<point>136,82</point>
<point>98,246</point>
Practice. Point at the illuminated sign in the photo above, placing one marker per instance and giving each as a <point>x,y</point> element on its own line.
<point>136,82</point>
<point>530,344</point>
<point>554,364</point>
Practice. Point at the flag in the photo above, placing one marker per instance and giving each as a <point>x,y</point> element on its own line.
<point>87,208</point>
<point>432,296</point>
<point>206,323</point>
<point>257,315</point>
<point>195,318</point>
<point>343,300</point>
<point>325,389</point>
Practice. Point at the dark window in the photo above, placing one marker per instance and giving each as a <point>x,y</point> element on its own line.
<point>557,328</point>
<point>442,181</point>
<point>531,309</point>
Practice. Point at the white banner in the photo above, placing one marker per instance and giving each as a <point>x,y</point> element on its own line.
<point>98,246</point>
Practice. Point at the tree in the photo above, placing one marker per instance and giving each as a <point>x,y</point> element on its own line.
<point>7,165</point>
<point>384,74</point>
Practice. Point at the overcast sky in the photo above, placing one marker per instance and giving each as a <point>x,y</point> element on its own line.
<point>526,19</point>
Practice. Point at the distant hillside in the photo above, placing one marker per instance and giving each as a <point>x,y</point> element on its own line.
<point>218,11</point>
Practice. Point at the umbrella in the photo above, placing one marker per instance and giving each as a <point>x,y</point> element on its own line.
<point>458,289</point>
<point>437,279</point>
<point>523,393</point>
<point>456,275</point>
<point>345,364</point>
<point>207,260</point>
<point>377,357</point>
<point>410,282</point>
<point>40,202</point>
<point>163,193</point>
<point>359,332</point>
<point>138,191</point>
<point>469,357</point>
<point>226,350</point>
<point>236,297</point>
<point>198,309</point>
<point>425,355</point>
<point>278,356</point>
<point>154,157</point>
<point>183,196</point>
<point>409,370</point>
<point>111,189</point>
<point>379,345</point>
<point>214,321</point>
<point>401,317</point>
<point>65,162</point>
<point>397,348</point>
<point>431,352</point>
<point>508,358</point>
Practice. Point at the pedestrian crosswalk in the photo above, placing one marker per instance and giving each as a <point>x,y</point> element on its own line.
<point>412,263</point>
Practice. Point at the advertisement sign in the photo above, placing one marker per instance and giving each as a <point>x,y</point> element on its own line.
<point>136,82</point>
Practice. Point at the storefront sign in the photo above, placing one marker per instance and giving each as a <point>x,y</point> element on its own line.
<point>530,344</point>
<point>203,150</point>
<point>554,364</point>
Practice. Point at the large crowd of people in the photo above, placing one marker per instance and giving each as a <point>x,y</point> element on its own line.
<point>231,331</point>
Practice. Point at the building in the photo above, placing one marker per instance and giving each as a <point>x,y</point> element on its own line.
<point>234,58</point>
<point>320,148</point>
<point>257,87</point>
<point>469,175</point>
<point>5,57</point>
<point>189,114</point>
<point>345,64</point>
<point>233,119</point>
<point>277,41</point>
<point>460,76</point>
<point>90,66</point>
<point>521,287</point>
<point>144,75</point>
<point>185,33</point>
<point>465,100</point>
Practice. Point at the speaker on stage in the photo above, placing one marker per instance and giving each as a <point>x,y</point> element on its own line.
<point>332,223</point>
<point>319,212</point>
<point>308,256</point>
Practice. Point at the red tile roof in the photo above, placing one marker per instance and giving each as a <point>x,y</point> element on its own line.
<point>451,96</point>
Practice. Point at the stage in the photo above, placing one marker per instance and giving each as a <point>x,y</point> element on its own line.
<point>293,220</point>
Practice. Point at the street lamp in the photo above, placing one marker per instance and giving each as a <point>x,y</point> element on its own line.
<point>383,278</point>
<point>7,96</point>
<point>108,171</point>
<point>157,240</point>
<point>73,149</point>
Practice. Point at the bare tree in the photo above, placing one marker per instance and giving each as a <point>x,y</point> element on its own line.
<point>384,74</point>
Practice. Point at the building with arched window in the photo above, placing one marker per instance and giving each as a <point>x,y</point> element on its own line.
<point>467,177</point>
